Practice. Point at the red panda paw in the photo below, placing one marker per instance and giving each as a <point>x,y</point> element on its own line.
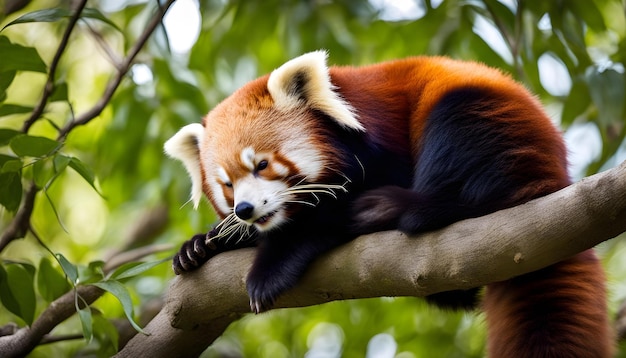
<point>380,209</point>
<point>262,295</point>
<point>192,254</point>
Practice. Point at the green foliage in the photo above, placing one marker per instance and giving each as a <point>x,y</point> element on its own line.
<point>118,175</point>
<point>17,291</point>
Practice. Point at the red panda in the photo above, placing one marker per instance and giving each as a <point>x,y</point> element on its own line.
<point>309,157</point>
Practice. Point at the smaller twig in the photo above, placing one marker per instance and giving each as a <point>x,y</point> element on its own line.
<point>115,60</point>
<point>121,72</point>
<point>60,338</point>
<point>49,86</point>
<point>134,255</point>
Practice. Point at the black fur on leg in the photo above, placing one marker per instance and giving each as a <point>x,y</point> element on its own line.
<point>380,209</point>
<point>456,300</point>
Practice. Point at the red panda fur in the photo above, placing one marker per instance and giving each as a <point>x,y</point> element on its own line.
<point>413,145</point>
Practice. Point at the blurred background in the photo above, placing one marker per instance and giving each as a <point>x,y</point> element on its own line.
<point>105,187</point>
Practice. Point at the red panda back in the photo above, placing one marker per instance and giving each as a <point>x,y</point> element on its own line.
<point>559,311</point>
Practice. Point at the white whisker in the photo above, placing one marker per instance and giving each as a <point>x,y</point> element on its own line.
<point>302,202</point>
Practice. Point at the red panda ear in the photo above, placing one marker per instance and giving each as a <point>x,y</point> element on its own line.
<point>307,78</point>
<point>185,146</point>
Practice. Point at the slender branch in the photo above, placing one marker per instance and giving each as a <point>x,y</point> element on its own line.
<point>49,86</point>
<point>108,51</point>
<point>470,253</point>
<point>123,68</point>
<point>47,339</point>
<point>27,338</point>
<point>19,225</point>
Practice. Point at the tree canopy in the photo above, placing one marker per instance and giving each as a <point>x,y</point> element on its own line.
<point>92,211</point>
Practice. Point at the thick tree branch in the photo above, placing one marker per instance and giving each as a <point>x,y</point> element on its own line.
<point>470,253</point>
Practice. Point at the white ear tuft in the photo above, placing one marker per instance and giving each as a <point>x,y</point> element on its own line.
<point>306,78</point>
<point>185,146</point>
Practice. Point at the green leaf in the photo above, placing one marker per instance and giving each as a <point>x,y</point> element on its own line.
<point>19,58</point>
<point>590,13</point>
<point>576,103</point>
<point>134,268</point>
<point>61,162</point>
<point>91,273</point>
<point>53,207</point>
<point>96,14</point>
<point>51,283</point>
<point>8,109</point>
<point>18,293</point>
<point>25,145</point>
<point>10,190</point>
<point>59,93</point>
<point>11,166</point>
<point>45,15</point>
<point>107,334</point>
<point>86,322</point>
<point>42,172</point>
<point>70,269</point>
<point>6,297</point>
<point>118,290</point>
<point>7,134</point>
<point>6,78</point>
<point>7,158</point>
<point>606,88</point>
<point>84,172</point>
<point>56,14</point>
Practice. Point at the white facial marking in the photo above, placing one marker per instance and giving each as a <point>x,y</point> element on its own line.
<point>222,175</point>
<point>307,158</point>
<point>264,196</point>
<point>247,158</point>
<point>218,197</point>
<point>280,169</point>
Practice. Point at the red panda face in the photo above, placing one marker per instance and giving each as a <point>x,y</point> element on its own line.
<point>255,186</point>
<point>262,152</point>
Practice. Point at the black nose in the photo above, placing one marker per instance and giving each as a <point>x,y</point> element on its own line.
<point>244,210</point>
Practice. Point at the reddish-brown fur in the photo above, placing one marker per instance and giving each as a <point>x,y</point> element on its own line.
<point>576,287</point>
<point>520,315</point>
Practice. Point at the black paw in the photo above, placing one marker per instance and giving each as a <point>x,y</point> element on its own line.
<point>193,253</point>
<point>263,292</point>
<point>380,209</point>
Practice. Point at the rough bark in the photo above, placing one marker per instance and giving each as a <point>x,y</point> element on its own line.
<point>470,253</point>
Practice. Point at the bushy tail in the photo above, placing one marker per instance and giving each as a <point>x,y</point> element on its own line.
<point>559,311</point>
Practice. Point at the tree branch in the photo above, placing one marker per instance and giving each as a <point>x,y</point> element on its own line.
<point>17,227</point>
<point>49,86</point>
<point>24,340</point>
<point>470,253</point>
<point>122,69</point>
